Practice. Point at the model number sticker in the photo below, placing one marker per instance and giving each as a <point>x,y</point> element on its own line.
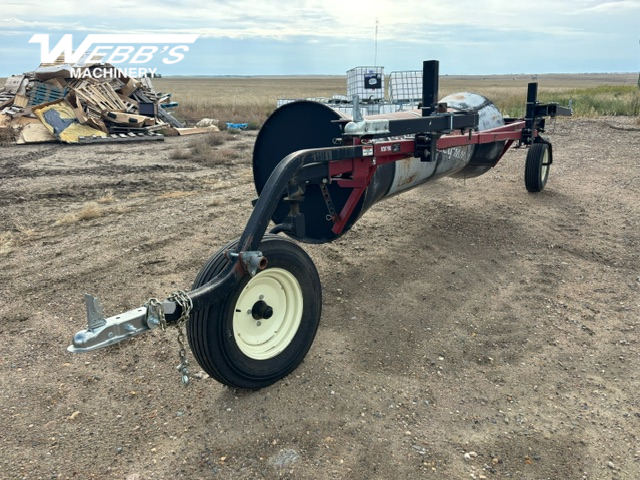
<point>367,150</point>
<point>395,148</point>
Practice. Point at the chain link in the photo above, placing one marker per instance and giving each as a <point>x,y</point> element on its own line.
<point>182,299</point>
<point>155,311</point>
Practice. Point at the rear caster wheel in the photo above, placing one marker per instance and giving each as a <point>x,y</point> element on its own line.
<point>536,170</point>
<point>263,329</point>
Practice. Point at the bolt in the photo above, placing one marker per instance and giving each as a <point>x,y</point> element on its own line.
<point>258,323</point>
<point>249,311</point>
<point>261,297</point>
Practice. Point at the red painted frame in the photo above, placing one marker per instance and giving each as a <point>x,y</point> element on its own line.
<point>392,150</point>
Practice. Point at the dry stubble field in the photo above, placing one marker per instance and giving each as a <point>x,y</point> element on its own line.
<point>251,99</point>
<point>469,330</point>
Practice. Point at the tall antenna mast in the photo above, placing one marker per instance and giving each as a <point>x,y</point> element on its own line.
<point>375,54</point>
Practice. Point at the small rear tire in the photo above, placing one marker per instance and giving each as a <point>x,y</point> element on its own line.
<point>536,170</point>
<point>264,328</point>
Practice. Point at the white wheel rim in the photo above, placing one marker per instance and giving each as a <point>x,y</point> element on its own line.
<point>262,339</point>
<point>544,167</point>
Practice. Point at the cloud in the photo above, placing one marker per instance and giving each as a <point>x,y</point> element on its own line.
<point>355,19</point>
<point>497,33</point>
<point>612,7</point>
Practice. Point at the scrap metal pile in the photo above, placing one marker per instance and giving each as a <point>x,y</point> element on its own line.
<point>88,104</point>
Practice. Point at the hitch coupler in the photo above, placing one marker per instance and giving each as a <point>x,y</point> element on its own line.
<point>102,332</point>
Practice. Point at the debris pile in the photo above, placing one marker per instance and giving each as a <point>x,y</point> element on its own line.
<point>87,104</point>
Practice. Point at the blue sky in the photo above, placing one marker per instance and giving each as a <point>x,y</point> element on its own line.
<point>260,37</point>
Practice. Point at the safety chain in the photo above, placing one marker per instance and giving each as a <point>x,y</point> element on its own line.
<point>182,299</point>
<point>155,312</point>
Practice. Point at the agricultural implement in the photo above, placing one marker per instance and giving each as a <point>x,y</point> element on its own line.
<point>255,306</point>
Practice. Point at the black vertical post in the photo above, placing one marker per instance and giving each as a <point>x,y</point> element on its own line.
<point>532,99</point>
<point>430,80</point>
<point>529,116</point>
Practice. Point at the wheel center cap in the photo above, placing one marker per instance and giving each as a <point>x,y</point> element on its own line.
<point>261,310</point>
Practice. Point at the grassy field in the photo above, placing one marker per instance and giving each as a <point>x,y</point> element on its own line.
<point>252,99</point>
<point>242,99</point>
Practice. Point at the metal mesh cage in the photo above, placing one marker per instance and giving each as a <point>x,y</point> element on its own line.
<point>366,82</point>
<point>405,86</point>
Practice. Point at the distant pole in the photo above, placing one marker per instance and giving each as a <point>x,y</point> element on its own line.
<point>375,49</point>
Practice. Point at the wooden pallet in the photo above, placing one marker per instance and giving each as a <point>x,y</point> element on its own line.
<point>6,99</point>
<point>44,93</point>
<point>122,137</point>
<point>100,97</point>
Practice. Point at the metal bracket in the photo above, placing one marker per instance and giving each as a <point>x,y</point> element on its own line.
<point>355,110</point>
<point>252,261</point>
<point>332,216</point>
<point>426,147</point>
<point>367,127</point>
<point>95,313</point>
<point>449,128</point>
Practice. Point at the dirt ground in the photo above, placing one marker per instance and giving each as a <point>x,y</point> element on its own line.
<point>469,329</point>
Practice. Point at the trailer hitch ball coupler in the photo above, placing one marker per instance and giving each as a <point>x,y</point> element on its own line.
<point>102,332</point>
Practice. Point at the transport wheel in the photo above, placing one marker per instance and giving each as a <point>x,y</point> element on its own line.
<point>263,329</point>
<point>536,170</point>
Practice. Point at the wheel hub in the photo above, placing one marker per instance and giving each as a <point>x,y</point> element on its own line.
<point>261,310</point>
<point>273,294</point>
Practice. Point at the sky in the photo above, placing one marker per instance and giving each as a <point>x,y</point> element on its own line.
<point>315,37</point>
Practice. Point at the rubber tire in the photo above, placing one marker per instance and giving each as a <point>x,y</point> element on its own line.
<point>536,170</point>
<point>210,331</point>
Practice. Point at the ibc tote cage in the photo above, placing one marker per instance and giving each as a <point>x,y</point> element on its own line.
<point>370,85</point>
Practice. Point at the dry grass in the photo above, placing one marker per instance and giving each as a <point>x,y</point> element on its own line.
<point>9,135</point>
<point>242,100</point>
<point>120,209</point>
<point>7,243</point>
<point>92,210</point>
<point>107,197</point>
<point>89,211</point>
<point>10,240</point>
<point>207,150</point>
<point>27,233</point>
<point>252,99</point>
<point>586,102</point>
<point>176,194</point>
<point>180,154</point>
